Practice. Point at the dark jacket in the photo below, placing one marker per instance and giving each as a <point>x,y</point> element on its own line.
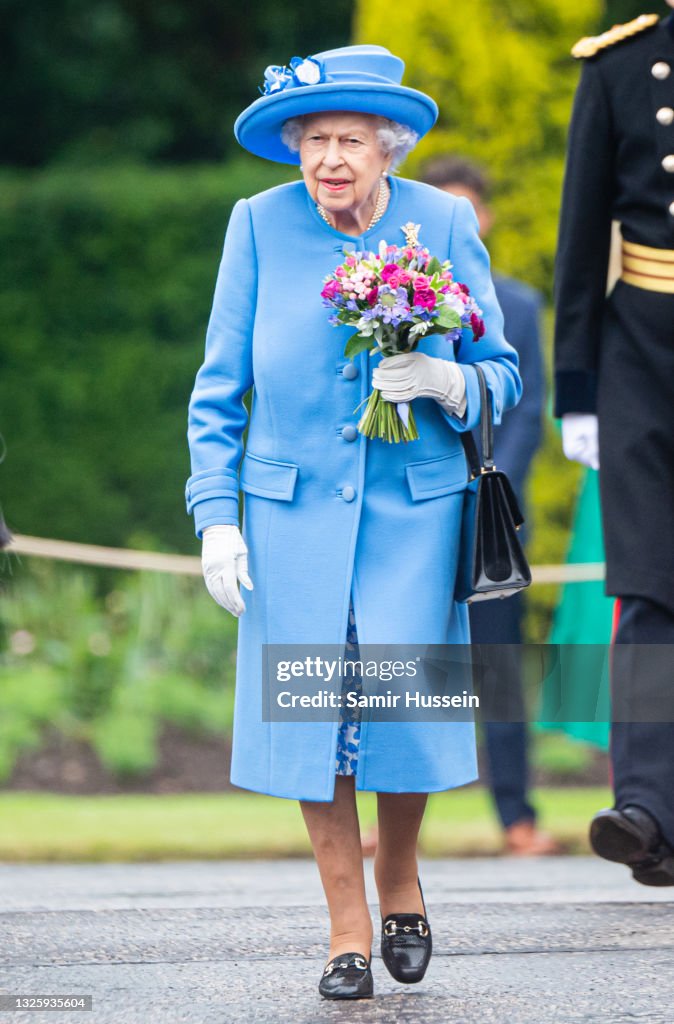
<point>614,171</point>
<point>517,439</point>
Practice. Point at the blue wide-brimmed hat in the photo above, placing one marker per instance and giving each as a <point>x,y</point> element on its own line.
<point>365,79</point>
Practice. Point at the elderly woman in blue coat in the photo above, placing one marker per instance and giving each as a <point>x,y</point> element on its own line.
<point>344,538</point>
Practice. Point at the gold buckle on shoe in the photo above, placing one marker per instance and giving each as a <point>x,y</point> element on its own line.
<point>393,925</point>
<point>358,961</point>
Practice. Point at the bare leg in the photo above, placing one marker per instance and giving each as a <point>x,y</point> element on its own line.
<point>395,862</point>
<point>335,836</point>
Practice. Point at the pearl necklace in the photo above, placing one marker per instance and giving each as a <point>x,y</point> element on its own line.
<point>379,209</point>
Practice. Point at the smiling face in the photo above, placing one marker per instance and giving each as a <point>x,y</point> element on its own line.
<point>342,162</point>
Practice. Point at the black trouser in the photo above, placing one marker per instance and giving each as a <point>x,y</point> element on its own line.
<point>642,752</point>
<point>499,622</point>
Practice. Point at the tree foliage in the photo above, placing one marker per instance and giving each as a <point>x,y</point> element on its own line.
<point>503,79</point>
<point>91,80</point>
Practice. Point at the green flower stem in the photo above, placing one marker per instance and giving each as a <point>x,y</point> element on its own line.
<point>381,420</point>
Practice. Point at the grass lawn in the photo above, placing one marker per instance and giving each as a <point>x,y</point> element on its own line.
<point>51,827</point>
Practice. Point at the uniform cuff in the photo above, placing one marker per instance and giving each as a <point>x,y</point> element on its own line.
<point>575,391</point>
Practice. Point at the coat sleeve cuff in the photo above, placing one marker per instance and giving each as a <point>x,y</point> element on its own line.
<point>575,391</point>
<point>213,497</point>
<point>215,512</point>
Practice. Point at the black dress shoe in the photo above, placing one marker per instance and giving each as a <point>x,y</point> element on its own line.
<point>347,976</point>
<point>406,945</point>
<point>632,836</point>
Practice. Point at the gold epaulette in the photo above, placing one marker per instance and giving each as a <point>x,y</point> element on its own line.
<point>591,45</point>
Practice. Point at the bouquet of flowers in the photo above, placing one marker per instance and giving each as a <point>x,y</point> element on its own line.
<point>393,298</point>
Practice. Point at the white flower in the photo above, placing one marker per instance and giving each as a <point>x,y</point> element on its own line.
<point>455,302</point>
<point>308,72</point>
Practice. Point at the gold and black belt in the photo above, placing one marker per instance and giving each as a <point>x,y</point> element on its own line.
<point>644,267</point>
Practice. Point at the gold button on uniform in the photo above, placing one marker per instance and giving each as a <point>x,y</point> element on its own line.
<point>668,163</point>
<point>661,70</point>
<point>665,115</point>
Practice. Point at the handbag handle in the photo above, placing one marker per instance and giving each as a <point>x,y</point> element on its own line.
<point>486,432</point>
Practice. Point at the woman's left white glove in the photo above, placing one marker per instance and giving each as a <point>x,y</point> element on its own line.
<point>416,375</point>
<point>224,560</point>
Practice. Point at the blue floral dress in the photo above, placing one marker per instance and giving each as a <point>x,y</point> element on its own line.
<point>348,734</point>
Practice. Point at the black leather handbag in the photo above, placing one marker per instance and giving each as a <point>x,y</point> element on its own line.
<point>492,562</point>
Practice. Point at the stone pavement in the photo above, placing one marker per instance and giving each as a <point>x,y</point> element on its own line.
<point>554,941</point>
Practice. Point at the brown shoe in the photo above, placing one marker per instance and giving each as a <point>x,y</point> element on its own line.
<point>524,839</point>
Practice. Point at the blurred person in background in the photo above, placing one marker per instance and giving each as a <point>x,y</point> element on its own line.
<point>515,443</point>
<point>614,390</point>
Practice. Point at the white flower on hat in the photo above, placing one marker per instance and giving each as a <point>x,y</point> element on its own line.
<point>308,71</point>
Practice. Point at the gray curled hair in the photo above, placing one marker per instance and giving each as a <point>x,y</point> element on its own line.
<point>396,140</point>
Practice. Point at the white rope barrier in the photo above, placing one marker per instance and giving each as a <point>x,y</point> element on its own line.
<point>190,565</point>
<point>113,558</point>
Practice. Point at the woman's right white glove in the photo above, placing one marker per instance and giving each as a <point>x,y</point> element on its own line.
<point>580,438</point>
<point>224,560</point>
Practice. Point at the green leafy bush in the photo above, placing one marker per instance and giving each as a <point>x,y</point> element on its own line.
<point>109,660</point>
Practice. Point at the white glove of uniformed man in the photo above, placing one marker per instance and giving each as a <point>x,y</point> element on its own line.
<point>416,375</point>
<point>224,559</point>
<point>580,438</point>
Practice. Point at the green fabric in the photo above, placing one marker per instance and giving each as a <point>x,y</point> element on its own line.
<point>583,617</point>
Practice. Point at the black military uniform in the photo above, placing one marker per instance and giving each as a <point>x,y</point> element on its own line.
<point>615,357</point>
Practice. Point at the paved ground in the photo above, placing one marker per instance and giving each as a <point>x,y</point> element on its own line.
<point>524,942</point>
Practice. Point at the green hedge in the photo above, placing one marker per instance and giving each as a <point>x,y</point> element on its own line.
<point>107,280</point>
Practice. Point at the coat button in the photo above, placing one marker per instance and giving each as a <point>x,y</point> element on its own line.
<point>668,163</point>
<point>349,432</point>
<point>671,209</point>
<point>348,493</point>
<point>665,115</point>
<point>661,70</point>
<point>350,371</point>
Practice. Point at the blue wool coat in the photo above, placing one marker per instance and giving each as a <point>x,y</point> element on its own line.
<point>327,515</point>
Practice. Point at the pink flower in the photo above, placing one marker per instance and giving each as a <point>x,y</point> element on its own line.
<point>330,289</point>
<point>340,272</point>
<point>371,296</point>
<point>388,271</point>
<point>425,297</point>
<point>421,282</point>
<point>393,280</point>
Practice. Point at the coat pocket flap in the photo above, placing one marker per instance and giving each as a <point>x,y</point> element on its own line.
<point>435,477</point>
<point>268,478</point>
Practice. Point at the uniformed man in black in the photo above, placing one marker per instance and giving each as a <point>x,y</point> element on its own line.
<point>614,383</point>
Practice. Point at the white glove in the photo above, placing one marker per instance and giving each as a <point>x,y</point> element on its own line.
<point>224,559</point>
<point>580,438</point>
<point>416,375</point>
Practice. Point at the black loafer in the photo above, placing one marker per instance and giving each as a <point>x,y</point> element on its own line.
<point>406,945</point>
<point>632,836</point>
<point>347,976</point>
